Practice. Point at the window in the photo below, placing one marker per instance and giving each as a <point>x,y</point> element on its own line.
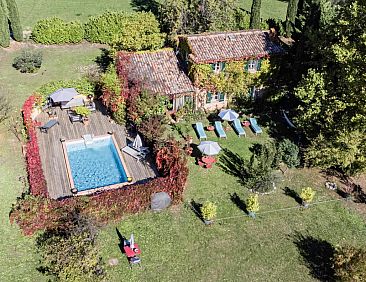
<point>252,65</point>
<point>215,97</point>
<point>221,97</point>
<point>217,67</point>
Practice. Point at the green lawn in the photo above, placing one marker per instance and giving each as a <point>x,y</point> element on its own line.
<point>176,245</point>
<point>33,10</point>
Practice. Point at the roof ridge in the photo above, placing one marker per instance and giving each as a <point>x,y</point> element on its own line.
<point>209,34</point>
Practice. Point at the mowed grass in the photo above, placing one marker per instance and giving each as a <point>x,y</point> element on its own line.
<point>59,63</point>
<point>33,10</point>
<point>18,259</point>
<point>177,246</point>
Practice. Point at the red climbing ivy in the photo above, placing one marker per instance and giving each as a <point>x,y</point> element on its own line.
<point>37,181</point>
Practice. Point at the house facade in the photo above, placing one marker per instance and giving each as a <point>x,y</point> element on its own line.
<point>215,52</point>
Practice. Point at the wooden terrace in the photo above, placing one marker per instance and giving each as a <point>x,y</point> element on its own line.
<point>50,147</point>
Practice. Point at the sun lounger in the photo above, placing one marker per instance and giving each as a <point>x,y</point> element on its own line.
<point>255,126</point>
<point>44,128</point>
<point>238,128</point>
<point>133,153</point>
<point>91,107</point>
<point>219,130</point>
<point>200,131</point>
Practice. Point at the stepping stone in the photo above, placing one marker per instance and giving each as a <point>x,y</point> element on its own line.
<point>113,261</point>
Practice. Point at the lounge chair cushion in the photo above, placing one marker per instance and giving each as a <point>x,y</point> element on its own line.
<point>238,128</point>
<point>200,131</point>
<point>220,131</point>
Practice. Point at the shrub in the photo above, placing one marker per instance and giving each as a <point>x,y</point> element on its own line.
<point>57,31</point>
<point>69,251</point>
<point>288,153</point>
<point>153,129</point>
<point>307,194</point>
<point>252,203</point>
<point>125,31</point>
<point>82,110</point>
<point>350,264</point>
<point>37,181</point>
<point>29,61</point>
<point>208,210</point>
<point>119,114</point>
<point>82,86</point>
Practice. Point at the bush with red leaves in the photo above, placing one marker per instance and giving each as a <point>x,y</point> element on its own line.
<point>37,181</point>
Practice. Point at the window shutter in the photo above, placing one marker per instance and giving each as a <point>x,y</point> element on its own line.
<point>208,97</point>
<point>259,64</point>
<point>246,66</point>
<point>213,67</point>
<point>221,97</point>
<point>222,66</point>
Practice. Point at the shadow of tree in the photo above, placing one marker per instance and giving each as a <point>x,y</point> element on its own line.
<point>146,6</point>
<point>238,202</point>
<point>293,194</point>
<point>317,255</point>
<point>233,164</point>
<point>196,208</point>
<point>104,59</point>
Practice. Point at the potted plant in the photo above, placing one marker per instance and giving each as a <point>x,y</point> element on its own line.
<point>252,205</point>
<point>84,112</point>
<point>208,212</point>
<point>307,195</point>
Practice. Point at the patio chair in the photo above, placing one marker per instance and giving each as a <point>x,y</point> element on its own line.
<point>220,131</point>
<point>74,117</point>
<point>133,153</point>
<point>200,131</point>
<point>44,128</point>
<point>91,107</point>
<point>253,124</point>
<point>238,128</point>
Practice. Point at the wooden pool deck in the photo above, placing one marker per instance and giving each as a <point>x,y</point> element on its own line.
<point>53,162</point>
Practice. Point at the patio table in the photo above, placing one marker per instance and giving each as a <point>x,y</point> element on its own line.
<point>208,160</point>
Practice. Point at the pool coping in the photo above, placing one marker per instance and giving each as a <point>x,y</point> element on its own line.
<point>98,189</point>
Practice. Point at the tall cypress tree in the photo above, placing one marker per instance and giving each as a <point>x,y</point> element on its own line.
<point>255,14</point>
<point>4,27</point>
<point>14,20</point>
<point>291,16</point>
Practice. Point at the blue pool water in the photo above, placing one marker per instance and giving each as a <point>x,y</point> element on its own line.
<point>95,165</point>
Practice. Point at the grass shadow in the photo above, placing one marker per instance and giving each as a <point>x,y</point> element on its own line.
<point>104,59</point>
<point>239,202</point>
<point>146,6</point>
<point>317,255</point>
<point>121,239</point>
<point>293,194</point>
<point>233,164</point>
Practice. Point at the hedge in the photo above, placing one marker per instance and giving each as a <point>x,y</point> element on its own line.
<point>36,178</point>
<point>57,31</point>
<point>82,86</point>
<point>14,20</point>
<point>126,31</point>
<point>4,27</point>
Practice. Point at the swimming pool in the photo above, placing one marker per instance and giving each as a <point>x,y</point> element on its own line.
<point>94,163</point>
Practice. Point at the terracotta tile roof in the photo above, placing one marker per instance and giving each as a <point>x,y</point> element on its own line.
<point>228,46</point>
<point>159,72</point>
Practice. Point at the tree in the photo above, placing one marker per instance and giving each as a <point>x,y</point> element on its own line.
<point>14,20</point>
<point>4,107</point>
<point>291,16</point>
<point>195,16</point>
<point>331,96</point>
<point>350,264</point>
<point>4,27</point>
<point>69,251</point>
<point>255,14</point>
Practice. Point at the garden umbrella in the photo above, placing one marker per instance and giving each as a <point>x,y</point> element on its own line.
<point>137,143</point>
<point>228,115</point>
<point>63,95</point>
<point>209,148</point>
<point>74,102</point>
